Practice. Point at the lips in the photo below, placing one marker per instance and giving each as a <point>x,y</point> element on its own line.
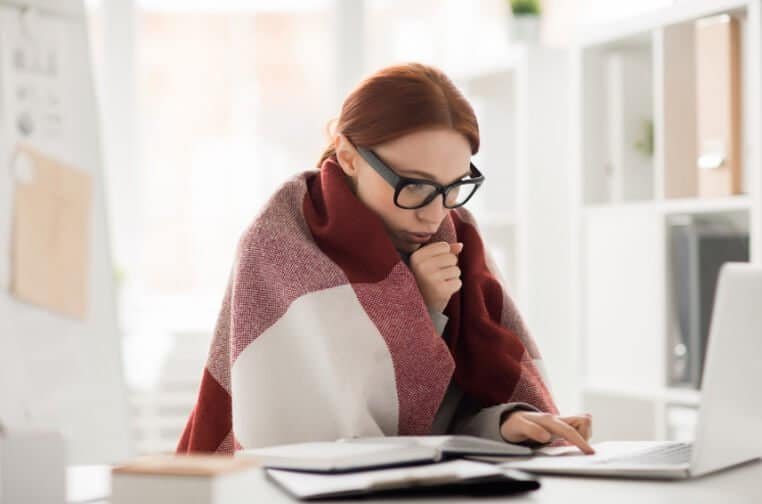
<point>418,237</point>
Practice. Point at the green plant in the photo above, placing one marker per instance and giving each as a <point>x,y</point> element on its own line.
<point>120,276</point>
<point>525,7</point>
<point>645,144</point>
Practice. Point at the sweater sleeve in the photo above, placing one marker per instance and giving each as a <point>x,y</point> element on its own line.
<point>469,419</point>
<point>486,422</point>
<point>439,320</point>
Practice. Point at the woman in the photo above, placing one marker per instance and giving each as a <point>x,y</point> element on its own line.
<point>361,302</point>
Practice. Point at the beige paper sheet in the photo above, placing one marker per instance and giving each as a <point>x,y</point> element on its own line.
<point>51,234</point>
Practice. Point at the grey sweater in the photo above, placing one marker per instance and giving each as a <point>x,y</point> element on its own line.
<point>459,413</point>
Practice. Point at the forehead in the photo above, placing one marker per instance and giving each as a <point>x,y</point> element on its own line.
<point>442,155</point>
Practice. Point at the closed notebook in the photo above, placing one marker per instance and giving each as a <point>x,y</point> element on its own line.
<point>190,479</point>
<point>454,477</point>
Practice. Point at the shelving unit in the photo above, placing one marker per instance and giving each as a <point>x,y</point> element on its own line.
<point>511,103</point>
<point>624,75</point>
<point>522,209</point>
<point>493,93</point>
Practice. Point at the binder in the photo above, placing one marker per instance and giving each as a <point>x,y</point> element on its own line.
<point>456,477</point>
<point>698,251</point>
<point>718,106</point>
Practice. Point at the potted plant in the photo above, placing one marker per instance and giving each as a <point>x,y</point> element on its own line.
<point>525,26</point>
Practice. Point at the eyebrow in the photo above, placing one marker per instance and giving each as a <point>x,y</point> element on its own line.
<point>427,176</point>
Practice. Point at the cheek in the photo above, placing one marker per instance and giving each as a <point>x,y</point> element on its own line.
<point>379,197</point>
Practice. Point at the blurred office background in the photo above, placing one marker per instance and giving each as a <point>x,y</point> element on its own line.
<point>209,105</point>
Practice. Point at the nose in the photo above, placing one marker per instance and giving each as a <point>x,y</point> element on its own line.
<point>434,212</point>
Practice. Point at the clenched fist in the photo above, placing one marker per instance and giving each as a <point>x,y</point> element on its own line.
<point>435,267</point>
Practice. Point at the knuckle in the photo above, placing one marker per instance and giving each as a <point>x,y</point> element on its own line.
<point>539,433</point>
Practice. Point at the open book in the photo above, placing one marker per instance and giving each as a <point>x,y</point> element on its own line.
<point>450,446</point>
<point>353,454</point>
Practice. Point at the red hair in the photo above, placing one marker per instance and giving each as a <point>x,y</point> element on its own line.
<point>402,99</point>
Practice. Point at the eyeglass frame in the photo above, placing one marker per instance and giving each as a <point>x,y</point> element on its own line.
<point>398,182</point>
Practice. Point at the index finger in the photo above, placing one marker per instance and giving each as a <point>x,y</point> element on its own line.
<point>559,428</point>
<point>433,249</point>
<point>582,424</point>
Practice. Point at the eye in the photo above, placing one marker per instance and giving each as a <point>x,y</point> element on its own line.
<point>417,188</point>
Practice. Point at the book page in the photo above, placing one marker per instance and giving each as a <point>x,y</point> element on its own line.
<point>318,450</point>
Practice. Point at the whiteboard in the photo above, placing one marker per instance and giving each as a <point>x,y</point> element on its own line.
<point>56,372</point>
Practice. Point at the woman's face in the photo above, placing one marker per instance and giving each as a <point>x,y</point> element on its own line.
<point>439,155</point>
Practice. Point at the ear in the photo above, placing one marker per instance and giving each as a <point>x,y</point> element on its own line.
<point>347,155</point>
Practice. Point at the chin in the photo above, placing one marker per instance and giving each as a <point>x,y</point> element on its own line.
<point>406,246</point>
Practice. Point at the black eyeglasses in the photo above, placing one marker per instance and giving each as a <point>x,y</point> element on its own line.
<point>411,193</point>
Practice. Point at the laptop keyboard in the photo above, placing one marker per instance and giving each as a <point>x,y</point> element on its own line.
<point>673,454</point>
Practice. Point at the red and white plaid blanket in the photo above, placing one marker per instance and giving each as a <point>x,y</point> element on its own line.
<point>323,332</point>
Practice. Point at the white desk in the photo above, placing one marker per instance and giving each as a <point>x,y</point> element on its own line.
<point>739,485</point>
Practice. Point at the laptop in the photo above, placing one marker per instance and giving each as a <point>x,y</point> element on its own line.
<point>729,428</point>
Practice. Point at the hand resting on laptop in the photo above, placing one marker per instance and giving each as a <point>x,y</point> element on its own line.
<point>521,426</point>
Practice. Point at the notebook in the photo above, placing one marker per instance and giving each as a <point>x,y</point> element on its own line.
<point>450,446</point>
<point>352,454</point>
<point>446,478</point>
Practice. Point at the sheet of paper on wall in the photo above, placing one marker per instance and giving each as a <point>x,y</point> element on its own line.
<point>33,59</point>
<point>51,233</point>
<point>35,100</point>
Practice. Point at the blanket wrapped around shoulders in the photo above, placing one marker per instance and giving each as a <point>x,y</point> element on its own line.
<point>323,332</point>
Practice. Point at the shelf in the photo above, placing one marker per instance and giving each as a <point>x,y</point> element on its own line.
<point>630,210</point>
<point>670,395</point>
<point>613,34</point>
<point>679,206</point>
<point>706,205</point>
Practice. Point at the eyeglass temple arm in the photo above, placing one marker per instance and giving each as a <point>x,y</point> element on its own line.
<point>392,177</point>
<point>379,166</point>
